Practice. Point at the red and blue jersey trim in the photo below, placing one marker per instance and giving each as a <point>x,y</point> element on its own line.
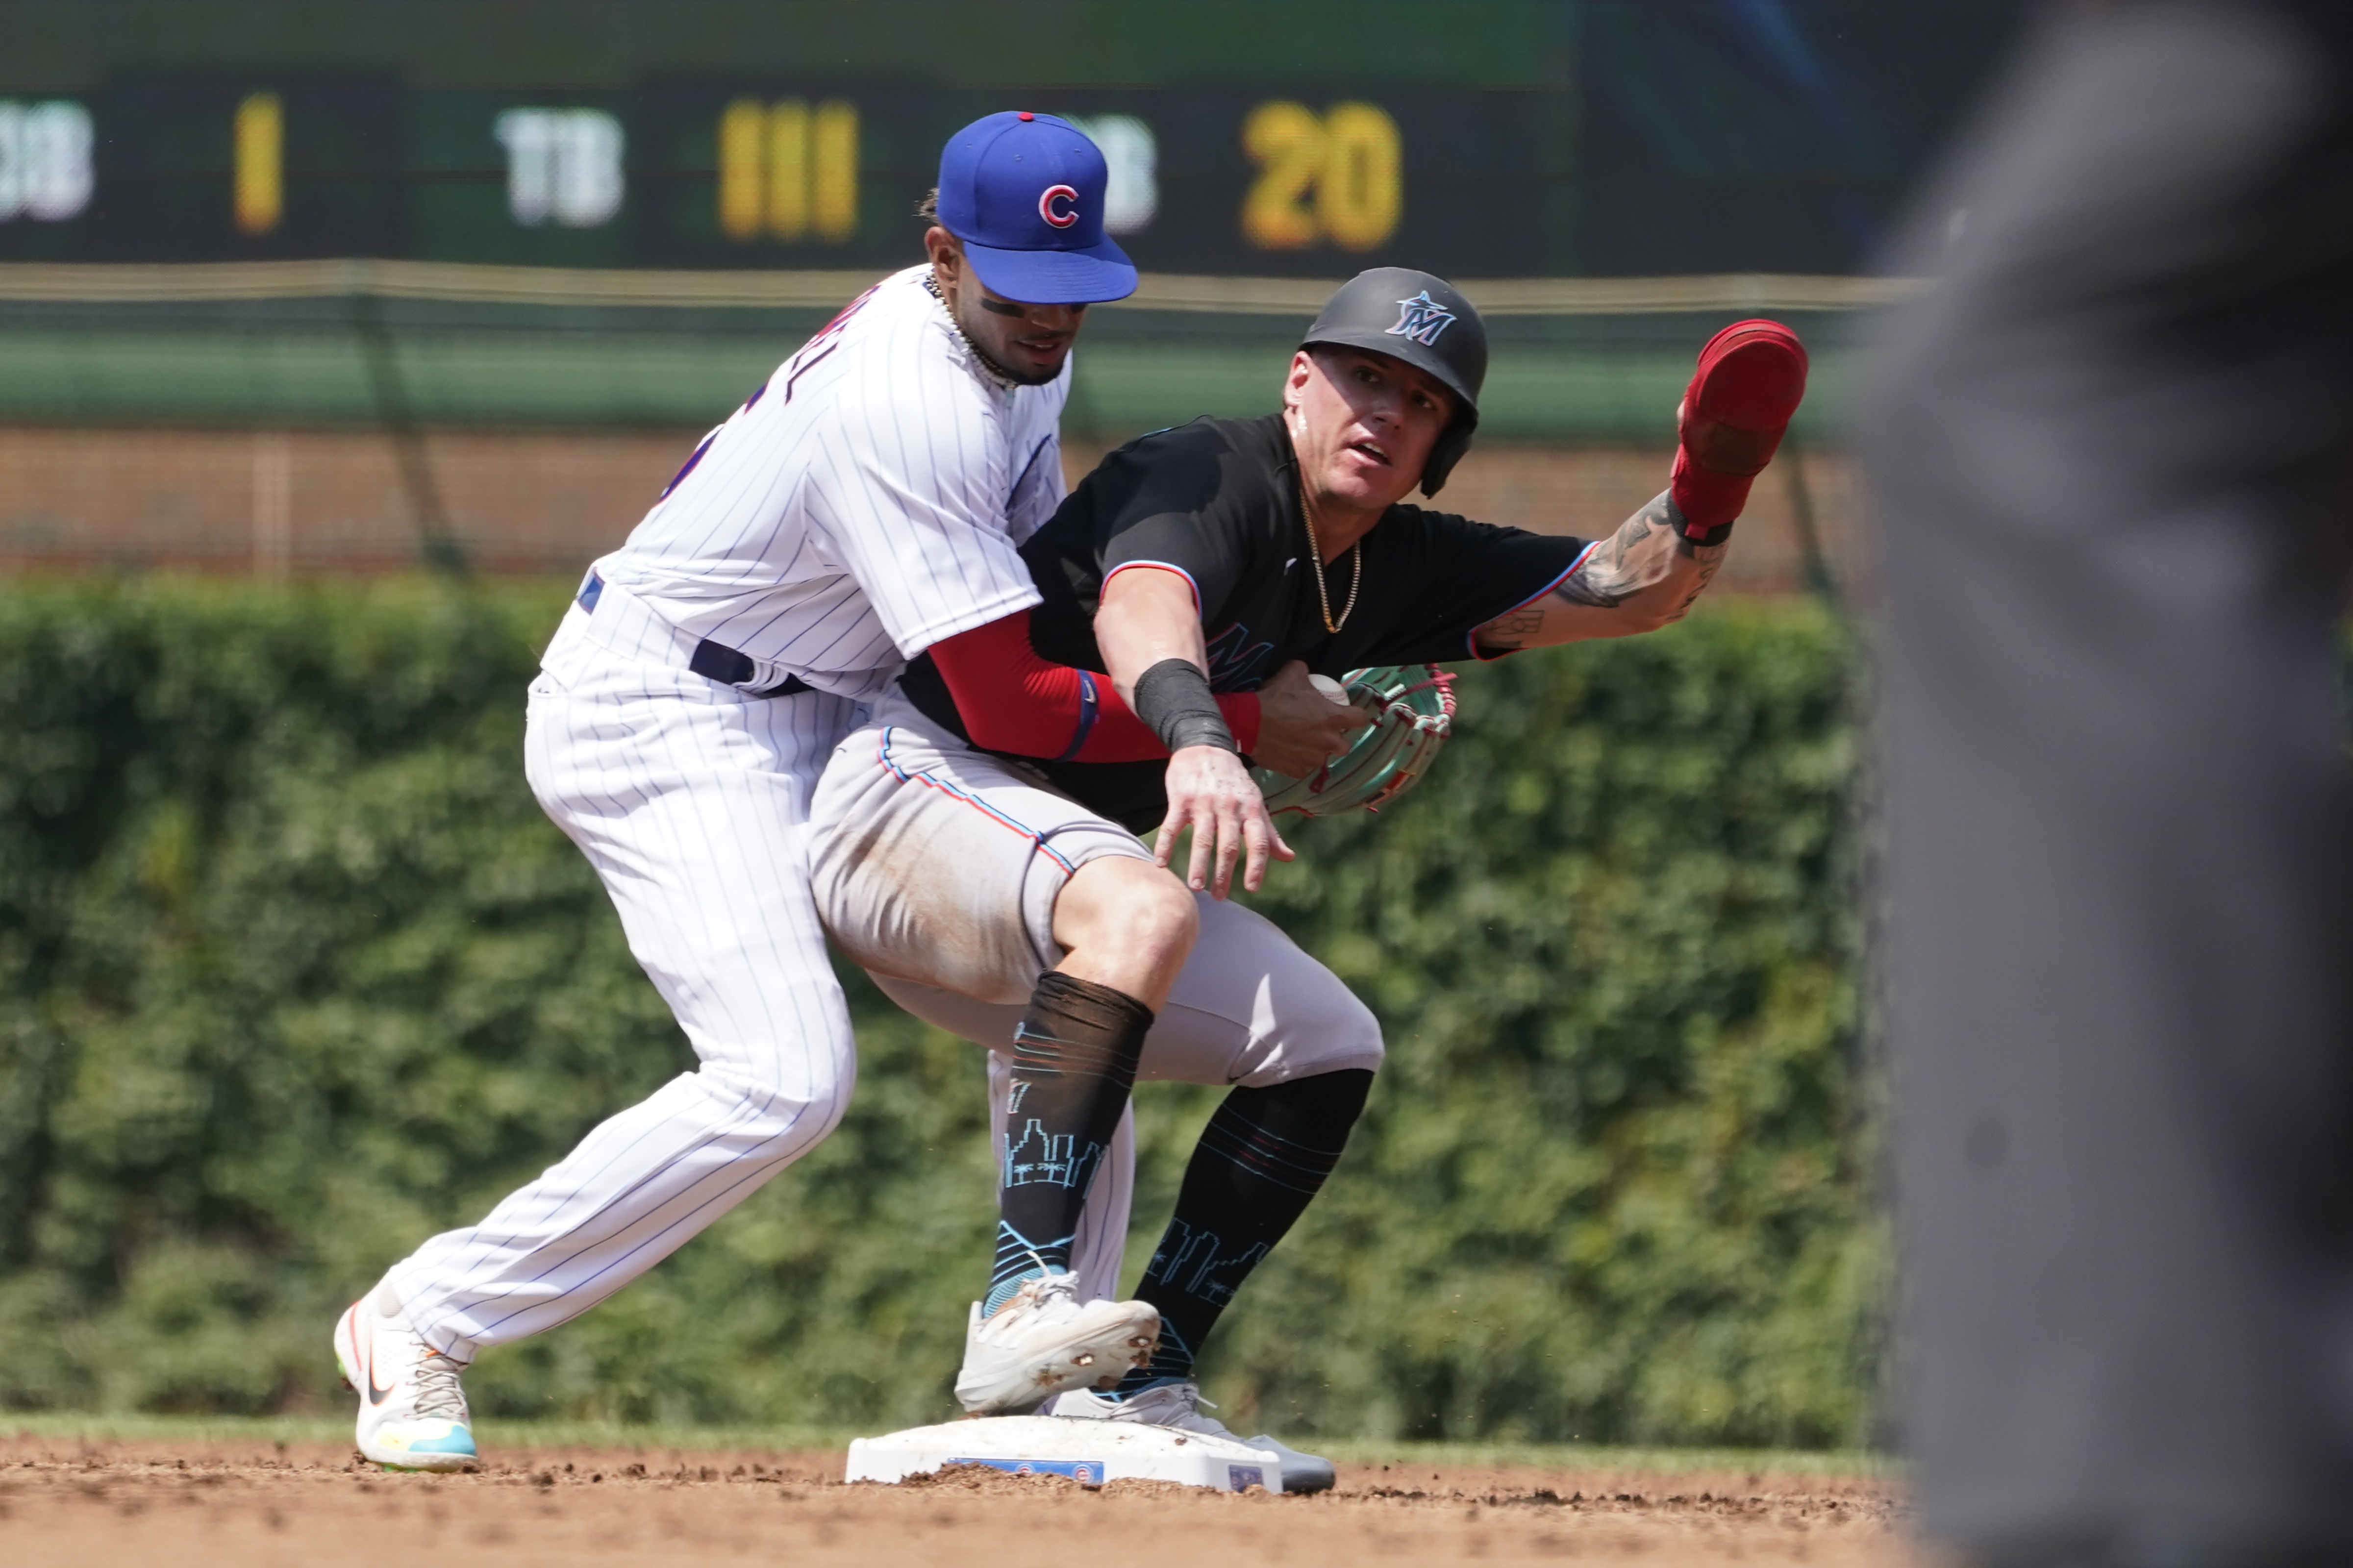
<point>1471,638</point>
<point>1161,565</point>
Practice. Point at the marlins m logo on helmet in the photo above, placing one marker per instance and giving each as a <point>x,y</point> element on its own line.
<point>1422,319</point>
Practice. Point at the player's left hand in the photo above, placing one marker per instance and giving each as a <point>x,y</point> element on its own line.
<point>1299,727</point>
<point>1211,793</point>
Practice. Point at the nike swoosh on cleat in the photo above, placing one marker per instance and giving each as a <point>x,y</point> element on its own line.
<point>376,1392</point>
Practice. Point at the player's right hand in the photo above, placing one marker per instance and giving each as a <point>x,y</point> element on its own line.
<point>1211,793</point>
<point>1299,728</point>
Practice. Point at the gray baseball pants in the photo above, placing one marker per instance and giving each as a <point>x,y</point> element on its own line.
<point>935,868</point>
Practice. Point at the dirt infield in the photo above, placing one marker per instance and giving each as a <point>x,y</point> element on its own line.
<point>83,1504</point>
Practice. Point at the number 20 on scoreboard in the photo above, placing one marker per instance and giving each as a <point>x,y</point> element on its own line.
<point>1336,176</point>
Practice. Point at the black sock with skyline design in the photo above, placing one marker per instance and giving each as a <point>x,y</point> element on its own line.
<point>1074,1058</point>
<point>1262,1157</point>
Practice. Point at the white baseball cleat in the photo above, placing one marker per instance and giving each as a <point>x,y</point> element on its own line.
<point>1044,1341</point>
<point>1178,1405</point>
<point>413,1414</point>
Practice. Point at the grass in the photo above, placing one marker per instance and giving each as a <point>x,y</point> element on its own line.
<point>1857,1463</point>
<point>518,1436</point>
<point>62,1426</point>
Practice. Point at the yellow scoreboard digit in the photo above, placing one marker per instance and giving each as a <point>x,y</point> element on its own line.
<point>258,183</point>
<point>787,171</point>
<point>1338,176</point>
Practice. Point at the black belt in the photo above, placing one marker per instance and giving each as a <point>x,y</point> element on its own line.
<point>712,660</point>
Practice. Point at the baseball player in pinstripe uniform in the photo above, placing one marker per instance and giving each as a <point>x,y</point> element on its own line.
<point>863,503</point>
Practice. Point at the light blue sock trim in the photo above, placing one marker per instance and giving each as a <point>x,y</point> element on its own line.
<point>1004,1289</point>
<point>1019,1260</point>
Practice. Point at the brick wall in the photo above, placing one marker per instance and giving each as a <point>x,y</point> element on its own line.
<point>305,502</point>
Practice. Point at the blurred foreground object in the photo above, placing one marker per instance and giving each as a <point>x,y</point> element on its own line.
<point>2110,455</point>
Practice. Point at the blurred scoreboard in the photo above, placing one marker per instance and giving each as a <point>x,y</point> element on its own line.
<point>719,173</point>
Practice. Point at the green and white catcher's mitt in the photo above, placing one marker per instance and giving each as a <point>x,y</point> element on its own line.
<point>1412,708</point>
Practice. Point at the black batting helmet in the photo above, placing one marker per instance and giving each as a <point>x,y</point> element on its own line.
<point>1424,321</point>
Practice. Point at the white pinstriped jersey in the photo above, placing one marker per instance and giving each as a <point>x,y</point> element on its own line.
<point>863,504</point>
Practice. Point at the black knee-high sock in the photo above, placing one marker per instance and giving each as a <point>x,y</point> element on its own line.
<point>1074,1060</point>
<point>1261,1159</point>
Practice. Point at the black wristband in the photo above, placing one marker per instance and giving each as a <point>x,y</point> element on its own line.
<point>1173,698</point>
<point>1695,533</point>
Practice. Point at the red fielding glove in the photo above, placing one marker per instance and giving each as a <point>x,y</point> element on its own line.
<point>1750,378</point>
<point>1011,699</point>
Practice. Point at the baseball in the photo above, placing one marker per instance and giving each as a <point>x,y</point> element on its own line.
<point>1330,688</point>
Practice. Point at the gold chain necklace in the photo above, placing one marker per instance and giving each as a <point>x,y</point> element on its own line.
<point>1315,559</point>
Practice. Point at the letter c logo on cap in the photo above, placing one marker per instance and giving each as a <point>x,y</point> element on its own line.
<point>1059,194</point>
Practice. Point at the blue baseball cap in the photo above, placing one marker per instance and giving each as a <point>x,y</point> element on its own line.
<point>1025,194</point>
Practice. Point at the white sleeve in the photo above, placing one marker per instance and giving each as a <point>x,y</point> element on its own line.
<point>1038,489</point>
<point>909,486</point>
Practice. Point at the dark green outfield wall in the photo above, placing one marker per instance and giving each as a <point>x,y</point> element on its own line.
<point>1606,380</point>
<point>58,45</point>
<point>292,972</point>
<point>595,43</point>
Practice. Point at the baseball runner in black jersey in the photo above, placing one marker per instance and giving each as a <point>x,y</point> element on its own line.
<point>1215,506</point>
<point>976,845</point>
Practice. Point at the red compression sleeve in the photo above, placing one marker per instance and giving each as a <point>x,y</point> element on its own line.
<point>1240,708</point>
<point>1013,700</point>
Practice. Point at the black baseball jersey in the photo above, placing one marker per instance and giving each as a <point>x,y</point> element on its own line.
<point>1218,500</point>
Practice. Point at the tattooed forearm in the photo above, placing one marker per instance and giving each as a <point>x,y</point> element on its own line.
<point>1644,576</point>
<point>1707,558</point>
<point>1512,630</point>
<point>1618,570</point>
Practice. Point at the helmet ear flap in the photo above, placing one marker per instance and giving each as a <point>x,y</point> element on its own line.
<point>1444,453</point>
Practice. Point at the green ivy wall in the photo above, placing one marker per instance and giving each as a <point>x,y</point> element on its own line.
<point>293,973</point>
